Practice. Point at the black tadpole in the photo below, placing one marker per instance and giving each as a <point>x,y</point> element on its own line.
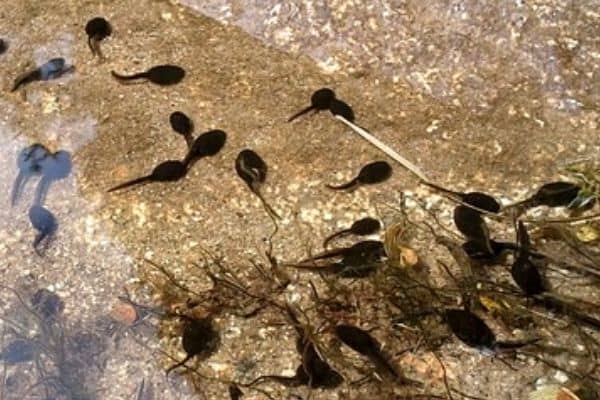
<point>524,272</point>
<point>474,332</point>
<point>97,29</point>
<point>163,75</point>
<point>476,199</point>
<point>199,338</point>
<point>472,225</point>
<point>183,125</point>
<point>44,222</point>
<point>372,173</point>
<point>341,108</point>
<point>363,343</point>
<point>53,69</point>
<point>319,101</point>
<point>207,144</point>
<point>48,305</point>
<point>167,171</point>
<point>362,227</point>
<point>253,170</point>
<point>553,194</point>
<point>29,164</point>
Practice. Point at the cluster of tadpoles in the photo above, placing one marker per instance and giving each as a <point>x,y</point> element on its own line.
<point>37,161</point>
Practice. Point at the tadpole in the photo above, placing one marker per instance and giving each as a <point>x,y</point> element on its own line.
<point>53,69</point>
<point>253,170</point>
<point>474,332</point>
<point>97,29</point>
<point>363,343</point>
<point>199,339</point>
<point>44,222</point>
<point>48,305</point>
<point>183,125</point>
<point>28,162</point>
<point>163,75</point>
<point>472,225</point>
<point>524,272</point>
<point>207,144</point>
<point>319,101</point>
<point>338,107</point>
<point>477,199</point>
<point>53,168</point>
<point>362,227</point>
<point>553,194</point>
<point>478,250</point>
<point>357,261</point>
<point>372,173</point>
<point>18,351</point>
<point>167,171</point>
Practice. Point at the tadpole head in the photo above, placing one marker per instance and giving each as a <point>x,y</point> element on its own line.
<point>47,304</point>
<point>322,98</point>
<point>181,123</point>
<point>357,339</point>
<point>98,28</point>
<point>482,200</point>
<point>200,338</point>
<point>375,172</point>
<point>365,226</point>
<point>338,107</point>
<point>251,167</point>
<point>556,194</point>
<point>42,220</point>
<point>208,144</point>
<point>165,74</point>
<point>470,223</point>
<point>470,329</point>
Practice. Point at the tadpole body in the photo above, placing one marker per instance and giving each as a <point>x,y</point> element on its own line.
<point>18,351</point>
<point>53,168</point>
<point>29,165</point>
<point>163,75</point>
<point>553,194</point>
<point>472,225</point>
<point>199,339</point>
<point>252,169</point>
<point>524,272</point>
<point>362,227</point>
<point>53,69</point>
<point>370,174</point>
<point>320,100</point>
<point>341,108</point>
<point>474,332</point>
<point>207,144</point>
<point>167,171</point>
<point>357,261</point>
<point>183,125</point>
<point>97,29</point>
<point>363,343</point>
<point>44,222</point>
<point>48,305</point>
<point>477,199</point>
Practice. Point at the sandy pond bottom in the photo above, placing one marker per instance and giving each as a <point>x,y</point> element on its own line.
<point>481,97</point>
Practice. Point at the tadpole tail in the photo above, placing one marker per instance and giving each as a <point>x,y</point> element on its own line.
<point>288,381</point>
<point>41,191</point>
<point>345,186</point>
<point>333,268</point>
<point>334,236</point>
<point>94,45</point>
<point>120,77</point>
<point>556,304</point>
<point>516,344</point>
<point>26,78</point>
<point>300,113</point>
<point>381,362</point>
<point>440,188</point>
<point>17,189</point>
<point>272,213</point>
<point>129,183</point>
<point>39,237</point>
<point>179,364</point>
